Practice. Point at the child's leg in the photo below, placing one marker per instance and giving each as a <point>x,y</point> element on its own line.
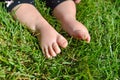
<point>49,39</point>
<point>66,14</point>
<point>77,1</point>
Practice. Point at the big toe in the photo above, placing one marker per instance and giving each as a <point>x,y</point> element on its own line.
<point>83,35</point>
<point>62,41</point>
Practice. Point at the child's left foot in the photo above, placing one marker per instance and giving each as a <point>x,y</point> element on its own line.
<point>66,14</point>
<point>76,29</point>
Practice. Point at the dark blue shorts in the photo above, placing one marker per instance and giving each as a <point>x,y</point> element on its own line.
<point>10,4</point>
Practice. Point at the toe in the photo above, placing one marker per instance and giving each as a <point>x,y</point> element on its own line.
<point>83,35</point>
<point>78,34</point>
<point>51,51</point>
<point>88,39</point>
<point>62,41</point>
<point>46,52</point>
<point>56,48</point>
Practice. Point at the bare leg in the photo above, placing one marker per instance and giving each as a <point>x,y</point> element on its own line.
<point>77,1</point>
<point>49,39</point>
<point>66,14</point>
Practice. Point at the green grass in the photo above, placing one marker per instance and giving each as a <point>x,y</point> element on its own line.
<point>21,56</point>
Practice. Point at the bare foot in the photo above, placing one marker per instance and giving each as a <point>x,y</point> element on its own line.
<point>76,29</point>
<point>50,40</point>
<point>66,14</point>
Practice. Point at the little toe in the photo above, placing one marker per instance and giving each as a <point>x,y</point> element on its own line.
<point>56,48</point>
<point>62,41</point>
<point>46,52</point>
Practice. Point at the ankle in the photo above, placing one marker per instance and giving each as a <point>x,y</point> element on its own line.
<point>68,19</point>
<point>43,26</point>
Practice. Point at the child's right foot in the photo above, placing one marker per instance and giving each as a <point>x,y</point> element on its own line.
<point>50,40</point>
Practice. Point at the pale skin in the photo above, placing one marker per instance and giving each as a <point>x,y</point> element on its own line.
<point>50,40</point>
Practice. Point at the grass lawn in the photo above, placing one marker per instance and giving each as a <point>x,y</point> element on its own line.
<point>21,56</point>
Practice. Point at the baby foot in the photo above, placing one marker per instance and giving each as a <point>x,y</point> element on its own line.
<point>76,29</point>
<point>50,40</point>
